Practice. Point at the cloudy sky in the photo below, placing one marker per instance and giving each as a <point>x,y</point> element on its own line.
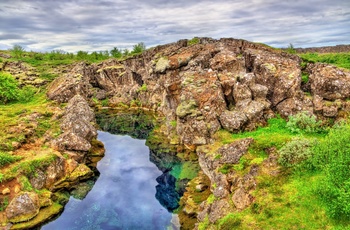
<point>93,25</point>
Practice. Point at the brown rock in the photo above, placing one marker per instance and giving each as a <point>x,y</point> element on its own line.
<point>241,198</point>
<point>23,207</point>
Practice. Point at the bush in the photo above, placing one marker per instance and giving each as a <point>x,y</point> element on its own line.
<point>17,51</point>
<point>26,93</point>
<point>295,151</point>
<point>8,88</point>
<point>332,158</point>
<point>304,122</point>
<point>138,48</point>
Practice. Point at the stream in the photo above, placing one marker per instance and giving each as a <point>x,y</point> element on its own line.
<point>127,194</point>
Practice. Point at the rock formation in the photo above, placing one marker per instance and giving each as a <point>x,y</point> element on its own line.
<point>201,88</point>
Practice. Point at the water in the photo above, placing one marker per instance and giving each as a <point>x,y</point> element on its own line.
<point>123,197</point>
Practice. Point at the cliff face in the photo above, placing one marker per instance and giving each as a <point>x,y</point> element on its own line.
<point>227,83</point>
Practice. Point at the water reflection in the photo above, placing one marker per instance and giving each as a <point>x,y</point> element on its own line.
<point>123,197</point>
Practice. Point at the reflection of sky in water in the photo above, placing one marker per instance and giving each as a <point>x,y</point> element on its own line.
<point>123,197</point>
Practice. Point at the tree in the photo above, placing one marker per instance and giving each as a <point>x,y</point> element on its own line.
<point>115,52</point>
<point>139,48</point>
<point>17,51</point>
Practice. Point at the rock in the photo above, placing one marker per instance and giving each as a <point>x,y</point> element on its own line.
<point>241,199</point>
<point>38,181</point>
<point>329,82</point>
<point>233,120</point>
<point>78,132</point>
<point>23,207</point>
<point>330,111</point>
<point>62,89</point>
<point>55,171</point>
<point>231,153</point>
<point>5,191</point>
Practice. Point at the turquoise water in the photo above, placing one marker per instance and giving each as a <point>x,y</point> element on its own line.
<point>123,196</point>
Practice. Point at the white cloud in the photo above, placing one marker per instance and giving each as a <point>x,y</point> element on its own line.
<point>100,25</point>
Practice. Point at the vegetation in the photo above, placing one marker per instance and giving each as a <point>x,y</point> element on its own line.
<point>337,59</point>
<point>7,158</point>
<point>193,41</point>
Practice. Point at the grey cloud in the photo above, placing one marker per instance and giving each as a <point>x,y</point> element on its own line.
<point>99,25</point>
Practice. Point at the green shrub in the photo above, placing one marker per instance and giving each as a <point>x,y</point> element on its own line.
<point>303,122</point>
<point>26,94</point>
<point>290,49</point>
<point>193,41</point>
<point>295,151</point>
<point>17,51</point>
<point>6,158</point>
<point>8,88</point>
<point>332,157</point>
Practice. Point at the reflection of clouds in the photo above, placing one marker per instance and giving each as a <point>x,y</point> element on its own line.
<point>123,195</point>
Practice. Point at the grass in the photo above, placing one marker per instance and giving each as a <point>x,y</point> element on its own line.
<point>7,158</point>
<point>338,59</point>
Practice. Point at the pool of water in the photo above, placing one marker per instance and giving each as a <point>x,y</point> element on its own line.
<point>123,196</point>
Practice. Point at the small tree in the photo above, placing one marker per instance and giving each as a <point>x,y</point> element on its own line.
<point>17,51</point>
<point>291,49</point>
<point>115,52</point>
<point>139,48</point>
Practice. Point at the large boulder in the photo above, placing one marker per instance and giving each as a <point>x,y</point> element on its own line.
<point>329,82</point>
<point>77,127</point>
<point>23,207</point>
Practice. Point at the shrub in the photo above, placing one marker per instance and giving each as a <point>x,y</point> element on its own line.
<point>295,151</point>
<point>26,93</point>
<point>17,51</point>
<point>290,49</point>
<point>8,88</point>
<point>332,157</point>
<point>193,41</point>
<point>304,122</point>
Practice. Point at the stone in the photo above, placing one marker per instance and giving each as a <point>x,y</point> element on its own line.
<point>5,191</point>
<point>241,199</point>
<point>233,120</point>
<point>329,82</point>
<point>38,180</point>
<point>23,207</point>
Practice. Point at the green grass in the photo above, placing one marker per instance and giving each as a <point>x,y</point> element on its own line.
<point>337,59</point>
<point>7,158</point>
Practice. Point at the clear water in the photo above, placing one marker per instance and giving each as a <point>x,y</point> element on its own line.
<point>123,196</point>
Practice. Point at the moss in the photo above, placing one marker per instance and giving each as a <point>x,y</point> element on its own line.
<point>187,108</point>
<point>162,64</point>
<point>230,221</point>
<point>44,215</point>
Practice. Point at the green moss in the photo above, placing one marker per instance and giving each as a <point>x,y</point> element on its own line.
<point>204,224</point>
<point>337,59</point>
<point>230,221</point>
<point>162,64</point>
<point>44,215</point>
<point>187,108</point>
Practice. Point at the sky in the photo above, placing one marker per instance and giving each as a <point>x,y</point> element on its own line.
<point>93,25</point>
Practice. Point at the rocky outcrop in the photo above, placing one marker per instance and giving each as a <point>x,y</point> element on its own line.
<point>227,83</point>
<point>23,207</point>
<point>76,126</point>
